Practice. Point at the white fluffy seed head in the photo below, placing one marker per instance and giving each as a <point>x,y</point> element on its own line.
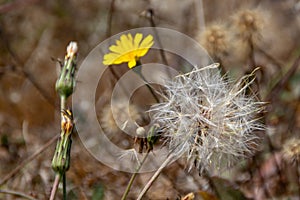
<point>208,119</point>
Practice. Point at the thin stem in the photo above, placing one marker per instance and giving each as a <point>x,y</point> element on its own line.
<point>63,103</point>
<point>29,159</point>
<point>64,87</point>
<point>223,71</point>
<point>155,176</point>
<point>200,14</point>
<point>284,80</point>
<point>212,184</point>
<point>137,70</point>
<point>252,57</point>
<point>298,176</point>
<point>55,186</point>
<point>64,186</point>
<point>152,91</point>
<point>115,75</point>
<point>161,50</point>
<point>16,193</point>
<point>109,18</point>
<point>134,176</point>
<point>273,60</point>
<point>253,65</point>
<point>159,43</point>
<point>23,71</point>
<point>38,87</point>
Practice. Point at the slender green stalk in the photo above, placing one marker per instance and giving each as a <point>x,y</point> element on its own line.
<point>63,104</point>
<point>134,176</point>
<point>64,87</point>
<point>137,70</point>
<point>152,138</point>
<point>64,186</point>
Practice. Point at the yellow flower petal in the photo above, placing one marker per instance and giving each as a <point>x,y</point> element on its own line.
<point>142,52</point>
<point>108,59</point>
<point>116,49</point>
<point>130,39</point>
<point>131,64</point>
<point>147,42</point>
<point>125,44</point>
<point>119,43</point>
<point>137,40</point>
<point>128,49</point>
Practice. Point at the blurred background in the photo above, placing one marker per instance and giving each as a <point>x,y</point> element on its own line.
<point>240,34</point>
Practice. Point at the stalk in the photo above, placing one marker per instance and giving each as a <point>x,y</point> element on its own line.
<point>64,87</point>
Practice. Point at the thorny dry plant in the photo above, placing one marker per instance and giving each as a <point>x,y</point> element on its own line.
<point>248,35</point>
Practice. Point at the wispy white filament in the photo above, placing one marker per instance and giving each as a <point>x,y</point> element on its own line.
<point>208,119</point>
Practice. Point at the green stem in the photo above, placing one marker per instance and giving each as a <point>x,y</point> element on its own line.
<point>64,186</point>
<point>64,87</point>
<point>137,69</point>
<point>63,103</point>
<point>134,176</point>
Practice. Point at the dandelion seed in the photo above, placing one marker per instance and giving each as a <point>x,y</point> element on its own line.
<point>128,50</point>
<point>130,154</point>
<point>291,150</point>
<point>208,119</point>
<point>249,23</point>
<point>108,120</point>
<point>216,40</point>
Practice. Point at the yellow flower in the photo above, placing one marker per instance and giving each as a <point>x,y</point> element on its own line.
<point>128,49</point>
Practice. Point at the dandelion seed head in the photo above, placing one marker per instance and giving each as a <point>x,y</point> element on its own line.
<point>215,39</point>
<point>249,23</point>
<point>291,150</point>
<point>208,119</point>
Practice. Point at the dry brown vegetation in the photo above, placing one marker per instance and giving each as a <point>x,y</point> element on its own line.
<point>33,34</point>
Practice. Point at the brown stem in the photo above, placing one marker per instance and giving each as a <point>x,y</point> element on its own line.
<point>134,176</point>
<point>155,176</point>
<point>298,176</point>
<point>251,54</point>
<point>160,46</point>
<point>16,193</point>
<point>29,159</point>
<point>55,186</point>
<point>284,80</point>
<point>270,58</point>
<point>109,18</point>
<point>152,22</point>
<point>24,72</point>
<point>115,75</point>
<point>211,183</point>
